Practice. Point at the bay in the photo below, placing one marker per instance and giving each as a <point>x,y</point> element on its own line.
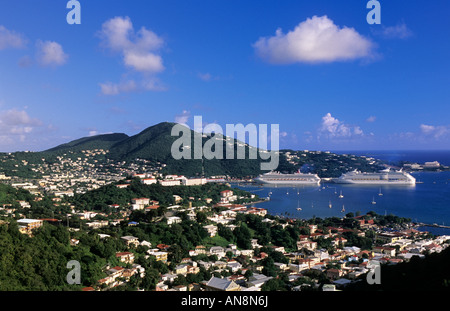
<point>428,201</point>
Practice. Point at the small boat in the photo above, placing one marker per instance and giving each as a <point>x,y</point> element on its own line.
<point>380,194</point>
<point>343,209</point>
<point>330,205</point>
<point>341,196</point>
<point>373,201</point>
<point>298,206</point>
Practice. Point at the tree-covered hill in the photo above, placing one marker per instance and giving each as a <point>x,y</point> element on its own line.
<point>104,141</point>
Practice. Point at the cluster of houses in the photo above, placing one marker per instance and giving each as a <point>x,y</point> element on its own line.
<point>341,267</point>
<point>168,180</point>
<point>346,264</point>
<point>79,172</point>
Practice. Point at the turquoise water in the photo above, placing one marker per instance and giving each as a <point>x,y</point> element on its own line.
<point>428,201</point>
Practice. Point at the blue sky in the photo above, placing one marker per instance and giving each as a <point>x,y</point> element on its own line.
<point>317,68</point>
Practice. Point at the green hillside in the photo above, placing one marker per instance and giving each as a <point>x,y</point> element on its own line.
<point>155,144</point>
<point>104,141</point>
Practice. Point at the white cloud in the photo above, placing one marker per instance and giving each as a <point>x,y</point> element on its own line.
<point>400,31</point>
<point>144,62</point>
<point>138,49</point>
<point>316,40</point>
<point>15,125</point>
<point>11,39</point>
<point>331,127</point>
<point>50,53</point>
<point>436,132</point>
<point>183,117</point>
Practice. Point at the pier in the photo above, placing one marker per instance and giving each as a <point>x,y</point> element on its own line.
<point>433,225</point>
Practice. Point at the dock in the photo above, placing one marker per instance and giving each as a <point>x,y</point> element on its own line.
<point>433,225</point>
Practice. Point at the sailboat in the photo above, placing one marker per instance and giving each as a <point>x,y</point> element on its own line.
<point>373,201</point>
<point>330,205</point>
<point>341,196</point>
<point>298,206</point>
<point>380,194</point>
<point>343,209</point>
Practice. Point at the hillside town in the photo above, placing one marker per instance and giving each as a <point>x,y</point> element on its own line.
<point>294,254</point>
<point>309,266</point>
<point>235,269</point>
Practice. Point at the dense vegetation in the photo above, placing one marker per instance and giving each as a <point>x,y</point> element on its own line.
<point>100,199</point>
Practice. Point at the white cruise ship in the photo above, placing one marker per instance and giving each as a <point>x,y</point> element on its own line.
<point>383,177</point>
<point>288,179</point>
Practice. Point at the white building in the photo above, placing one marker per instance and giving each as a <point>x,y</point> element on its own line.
<point>193,181</point>
<point>148,181</point>
<point>170,182</point>
<point>212,230</point>
<point>173,220</point>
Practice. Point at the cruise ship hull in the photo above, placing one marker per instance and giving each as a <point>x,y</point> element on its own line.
<point>288,179</point>
<point>372,182</point>
<point>383,178</point>
<point>287,182</point>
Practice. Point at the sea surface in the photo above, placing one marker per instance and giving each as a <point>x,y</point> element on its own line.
<point>427,202</point>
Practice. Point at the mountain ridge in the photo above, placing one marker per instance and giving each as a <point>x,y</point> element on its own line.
<point>155,144</point>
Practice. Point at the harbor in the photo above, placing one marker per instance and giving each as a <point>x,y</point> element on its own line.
<point>426,203</point>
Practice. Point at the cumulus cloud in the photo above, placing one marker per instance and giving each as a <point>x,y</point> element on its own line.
<point>436,132</point>
<point>50,53</point>
<point>11,39</point>
<point>331,127</point>
<point>145,62</point>
<point>15,125</point>
<point>139,52</point>
<point>316,40</point>
<point>139,49</point>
